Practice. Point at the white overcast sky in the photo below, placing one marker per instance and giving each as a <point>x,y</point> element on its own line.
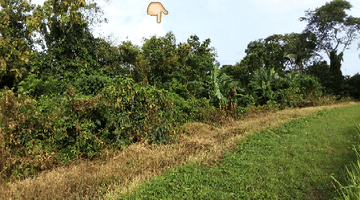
<point>230,24</point>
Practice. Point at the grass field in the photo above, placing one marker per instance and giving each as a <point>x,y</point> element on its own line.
<point>294,161</point>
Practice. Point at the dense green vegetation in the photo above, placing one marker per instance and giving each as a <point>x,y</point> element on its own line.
<point>66,94</point>
<point>295,161</point>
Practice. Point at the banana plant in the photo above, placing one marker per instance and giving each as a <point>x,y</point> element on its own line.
<point>262,83</point>
<point>220,98</point>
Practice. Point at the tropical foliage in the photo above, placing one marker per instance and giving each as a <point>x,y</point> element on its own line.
<point>81,95</point>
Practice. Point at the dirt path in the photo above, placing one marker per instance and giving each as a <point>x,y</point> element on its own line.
<point>140,162</point>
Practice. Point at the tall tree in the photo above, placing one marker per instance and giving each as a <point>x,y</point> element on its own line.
<point>116,60</point>
<point>299,48</point>
<point>321,70</point>
<point>268,53</point>
<point>264,53</point>
<point>69,43</point>
<point>16,42</point>
<point>333,28</point>
<point>161,62</point>
<point>157,61</point>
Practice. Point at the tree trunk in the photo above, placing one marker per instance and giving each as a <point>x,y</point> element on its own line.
<point>232,104</point>
<point>335,70</point>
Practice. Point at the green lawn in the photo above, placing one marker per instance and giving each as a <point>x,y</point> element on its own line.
<point>295,161</point>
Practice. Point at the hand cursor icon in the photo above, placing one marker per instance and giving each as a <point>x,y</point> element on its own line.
<point>155,9</point>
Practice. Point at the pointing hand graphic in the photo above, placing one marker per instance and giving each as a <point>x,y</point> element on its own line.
<point>155,9</point>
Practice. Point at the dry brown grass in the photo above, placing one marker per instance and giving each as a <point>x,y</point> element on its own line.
<point>122,171</point>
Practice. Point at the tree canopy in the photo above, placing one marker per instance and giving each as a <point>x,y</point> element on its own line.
<point>333,28</point>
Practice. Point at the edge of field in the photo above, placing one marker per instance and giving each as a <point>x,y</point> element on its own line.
<point>122,172</point>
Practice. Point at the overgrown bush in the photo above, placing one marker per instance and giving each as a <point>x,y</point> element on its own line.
<point>177,88</point>
<point>92,84</point>
<point>294,89</point>
<point>245,100</point>
<point>191,109</point>
<point>352,86</point>
<point>24,138</point>
<point>57,129</point>
<point>36,86</point>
